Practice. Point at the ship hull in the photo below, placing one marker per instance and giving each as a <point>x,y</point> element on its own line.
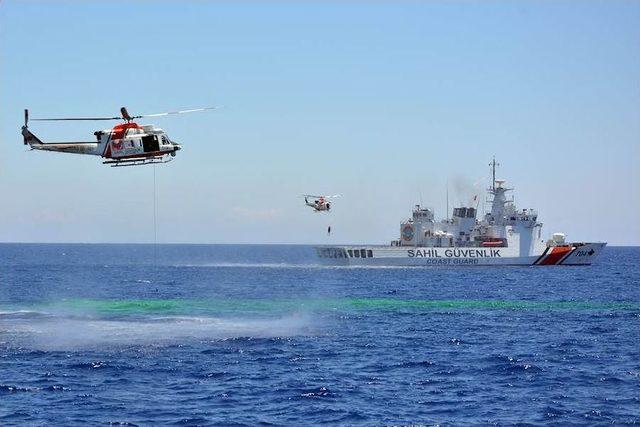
<point>570,254</point>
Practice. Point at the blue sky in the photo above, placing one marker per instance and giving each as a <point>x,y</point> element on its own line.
<point>382,102</point>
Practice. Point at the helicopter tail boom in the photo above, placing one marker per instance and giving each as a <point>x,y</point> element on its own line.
<point>66,147</point>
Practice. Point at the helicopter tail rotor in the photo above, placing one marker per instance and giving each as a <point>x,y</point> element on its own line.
<point>27,136</point>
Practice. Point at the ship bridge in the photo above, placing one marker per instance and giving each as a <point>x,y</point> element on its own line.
<point>503,226</point>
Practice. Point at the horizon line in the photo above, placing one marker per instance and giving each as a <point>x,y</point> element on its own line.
<point>232,244</point>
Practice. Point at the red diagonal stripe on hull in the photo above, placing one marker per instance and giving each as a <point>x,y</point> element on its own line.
<point>541,256</point>
<point>566,256</point>
<point>556,255</point>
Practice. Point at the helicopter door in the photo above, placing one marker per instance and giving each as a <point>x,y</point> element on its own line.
<point>150,143</point>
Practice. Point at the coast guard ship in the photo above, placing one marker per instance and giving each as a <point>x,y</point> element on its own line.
<point>504,236</point>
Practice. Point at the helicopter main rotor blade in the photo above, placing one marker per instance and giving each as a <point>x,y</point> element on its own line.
<point>78,118</point>
<point>193,110</point>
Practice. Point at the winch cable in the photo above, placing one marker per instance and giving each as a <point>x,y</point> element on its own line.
<point>155,228</point>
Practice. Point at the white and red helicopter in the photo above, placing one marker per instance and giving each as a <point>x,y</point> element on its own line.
<point>319,203</point>
<point>126,144</point>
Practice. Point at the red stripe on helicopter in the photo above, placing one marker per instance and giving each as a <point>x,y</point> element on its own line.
<point>118,131</point>
<point>555,255</point>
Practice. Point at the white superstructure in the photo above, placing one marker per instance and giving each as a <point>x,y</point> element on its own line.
<point>504,236</point>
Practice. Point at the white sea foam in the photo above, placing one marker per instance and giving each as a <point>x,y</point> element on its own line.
<point>11,313</point>
<point>67,333</point>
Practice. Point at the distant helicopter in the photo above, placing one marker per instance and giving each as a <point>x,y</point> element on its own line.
<point>320,203</point>
<point>126,144</point>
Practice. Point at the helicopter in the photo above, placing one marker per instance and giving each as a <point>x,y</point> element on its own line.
<point>320,203</point>
<point>126,144</point>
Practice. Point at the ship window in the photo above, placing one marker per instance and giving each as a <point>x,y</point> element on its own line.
<point>369,253</point>
<point>356,253</point>
<point>363,253</point>
<point>350,253</point>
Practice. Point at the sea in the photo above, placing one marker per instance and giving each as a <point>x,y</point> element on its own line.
<point>237,335</point>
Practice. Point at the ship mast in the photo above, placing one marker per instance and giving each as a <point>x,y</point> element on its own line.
<point>493,165</point>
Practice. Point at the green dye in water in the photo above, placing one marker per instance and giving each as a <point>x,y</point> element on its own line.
<point>177,306</point>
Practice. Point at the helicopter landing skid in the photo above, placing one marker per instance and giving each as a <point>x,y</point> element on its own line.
<point>138,162</point>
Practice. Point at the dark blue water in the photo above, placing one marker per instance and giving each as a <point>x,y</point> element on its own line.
<point>246,335</point>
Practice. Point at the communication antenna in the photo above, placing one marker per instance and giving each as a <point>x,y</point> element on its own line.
<point>447,200</point>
